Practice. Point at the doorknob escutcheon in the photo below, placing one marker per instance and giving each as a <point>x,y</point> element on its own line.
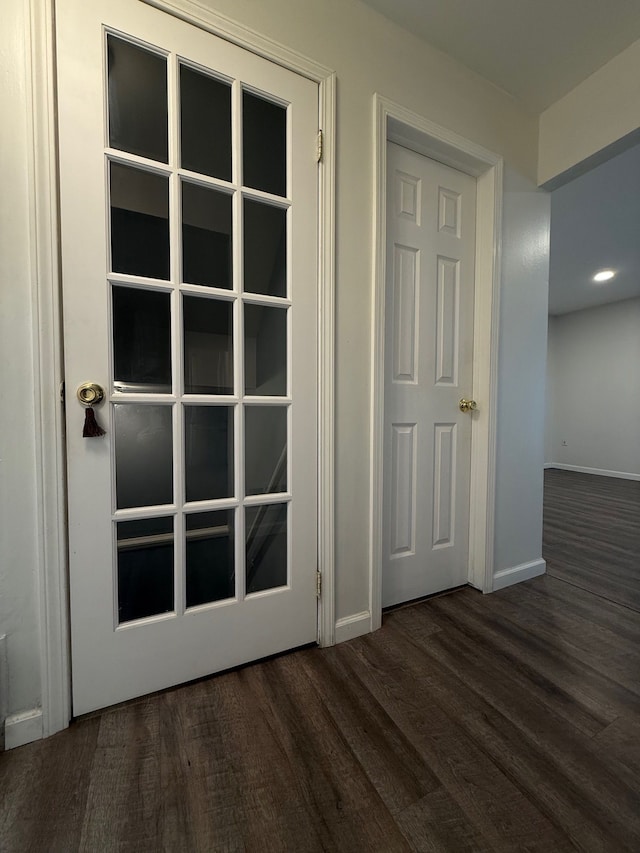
<point>90,394</point>
<point>467,405</point>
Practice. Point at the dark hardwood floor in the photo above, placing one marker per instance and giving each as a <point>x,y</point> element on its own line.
<point>592,533</point>
<point>508,722</point>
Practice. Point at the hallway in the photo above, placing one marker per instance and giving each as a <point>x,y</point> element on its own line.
<point>592,534</point>
<point>503,722</point>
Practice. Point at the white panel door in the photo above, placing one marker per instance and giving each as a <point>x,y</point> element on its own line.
<point>428,369</point>
<point>189,246</point>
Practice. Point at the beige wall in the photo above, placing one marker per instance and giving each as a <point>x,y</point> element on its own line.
<point>599,112</point>
<point>369,55</point>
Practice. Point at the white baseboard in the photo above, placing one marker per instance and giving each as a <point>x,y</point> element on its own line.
<point>353,626</point>
<point>523,572</point>
<point>549,465</point>
<point>600,472</point>
<point>22,728</point>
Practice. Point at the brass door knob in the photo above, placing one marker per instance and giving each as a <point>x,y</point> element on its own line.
<point>90,394</point>
<point>467,405</point>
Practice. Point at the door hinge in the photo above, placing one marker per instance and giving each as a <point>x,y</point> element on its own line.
<point>62,400</point>
<point>318,584</point>
<point>319,152</point>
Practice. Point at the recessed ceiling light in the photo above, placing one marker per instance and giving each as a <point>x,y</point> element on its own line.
<point>604,275</point>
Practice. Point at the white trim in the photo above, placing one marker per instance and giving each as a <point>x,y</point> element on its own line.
<point>214,22</point>
<point>523,572</point>
<point>23,728</point>
<point>394,123</point>
<point>326,378</point>
<point>549,465</point>
<point>485,376</point>
<point>52,573</point>
<point>350,627</point>
<point>380,135</point>
<point>599,472</point>
<point>51,570</point>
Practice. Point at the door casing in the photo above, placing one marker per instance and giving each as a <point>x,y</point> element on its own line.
<point>394,123</point>
<point>52,568</point>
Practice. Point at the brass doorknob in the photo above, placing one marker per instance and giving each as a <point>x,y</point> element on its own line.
<point>467,405</point>
<point>90,394</point>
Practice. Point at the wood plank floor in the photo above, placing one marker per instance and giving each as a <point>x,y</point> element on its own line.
<point>508,722</point>
<point>592,533</point>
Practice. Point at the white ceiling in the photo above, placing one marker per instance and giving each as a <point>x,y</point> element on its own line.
<point>595,224</point>
<point>537,50</point>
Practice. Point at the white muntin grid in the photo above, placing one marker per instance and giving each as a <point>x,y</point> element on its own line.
<point>177,291</point>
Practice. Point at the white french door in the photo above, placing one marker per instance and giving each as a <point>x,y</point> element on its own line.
<point>189,201</point>
<point>431,210</point>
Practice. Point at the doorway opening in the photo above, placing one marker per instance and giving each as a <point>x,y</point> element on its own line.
<point>592,443</point>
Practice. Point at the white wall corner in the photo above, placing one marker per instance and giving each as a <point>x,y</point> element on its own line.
<point>353,626</point>
<point>23,728</point>
<point>4,686</point>
<point>516,574</point>
<point>593,122</point>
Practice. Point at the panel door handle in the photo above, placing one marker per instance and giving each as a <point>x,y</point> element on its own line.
<point>90,393</point>
<point>467,405</point>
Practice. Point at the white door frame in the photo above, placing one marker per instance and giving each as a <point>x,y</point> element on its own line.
<point>394,123</point>
<point>52,569</point>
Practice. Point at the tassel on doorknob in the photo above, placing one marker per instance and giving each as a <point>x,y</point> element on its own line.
<point>90,394</point>
<point>92,428</point>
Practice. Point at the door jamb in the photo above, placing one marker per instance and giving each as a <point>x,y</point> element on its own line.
<point>52,587</point>
<point>394,123</point>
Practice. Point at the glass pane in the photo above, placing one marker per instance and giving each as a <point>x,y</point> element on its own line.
<point>145,568</point>
<point>208,346</point>
<point>139,222</point>
<point>205,124</point>
<point>208,442</point>
<point>265,429</point>
<point>144,455</point>
<point>206,236</point>
<point>141,340</point>
<point>210,557</point>
<point>264,130</point>
<point>265,249</point>
<point>137,100</point>
<point>266,530</point>
<point>265,350</point>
